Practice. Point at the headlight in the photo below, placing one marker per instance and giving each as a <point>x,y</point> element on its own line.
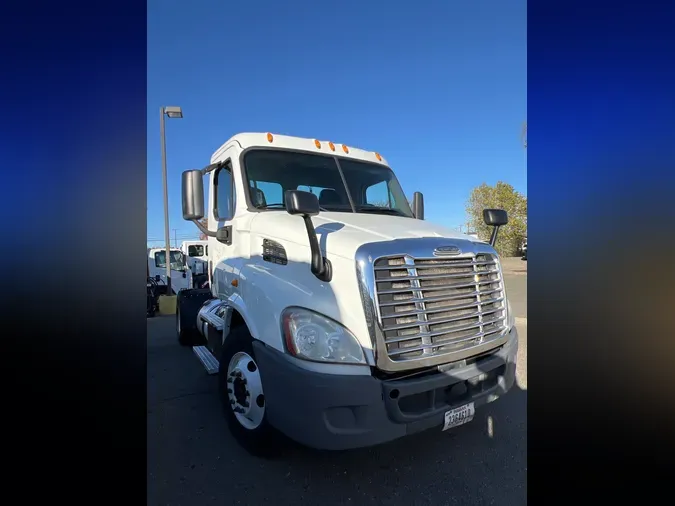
<point>311,336</point>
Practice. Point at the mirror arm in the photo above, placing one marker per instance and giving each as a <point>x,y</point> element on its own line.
<point>203,229</point>
<point>212,167</point>
<point>320,266</point>
<point>493,237</point>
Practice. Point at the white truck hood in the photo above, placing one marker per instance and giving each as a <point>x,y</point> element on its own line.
<point>341,234</point>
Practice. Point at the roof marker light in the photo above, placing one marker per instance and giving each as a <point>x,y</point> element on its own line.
<point>270,138</point>
<point>331,146</point>
<point>345,149</point>
<point>379,157</point>
<point>317,144</point>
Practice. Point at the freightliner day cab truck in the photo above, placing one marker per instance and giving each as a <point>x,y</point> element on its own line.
<point>336,315</point>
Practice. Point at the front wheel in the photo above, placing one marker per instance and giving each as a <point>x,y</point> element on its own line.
<point>241,392</point>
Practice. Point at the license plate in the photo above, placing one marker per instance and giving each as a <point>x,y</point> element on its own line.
<point>459,416</point>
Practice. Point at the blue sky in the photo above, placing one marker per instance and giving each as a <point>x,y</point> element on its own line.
<point>439,88</point>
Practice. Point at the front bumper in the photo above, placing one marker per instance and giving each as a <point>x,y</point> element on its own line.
<point>336,412</point>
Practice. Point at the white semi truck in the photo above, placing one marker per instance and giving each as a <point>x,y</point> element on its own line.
<point>181,276</point>
<point>196,257</point>
<point>336,315</point>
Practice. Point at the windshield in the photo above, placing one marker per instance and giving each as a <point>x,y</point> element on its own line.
<point>176,260</point>
<point>373,188</point>
<point>196,250</point>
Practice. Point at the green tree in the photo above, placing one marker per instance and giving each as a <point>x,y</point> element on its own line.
<point>500,196</point>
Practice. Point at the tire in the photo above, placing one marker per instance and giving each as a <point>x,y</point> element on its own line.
<point>250,428</point>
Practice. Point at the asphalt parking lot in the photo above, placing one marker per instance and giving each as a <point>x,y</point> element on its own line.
<point>192,459</point>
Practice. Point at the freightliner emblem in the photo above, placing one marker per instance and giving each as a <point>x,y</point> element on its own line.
<point>443,251</point>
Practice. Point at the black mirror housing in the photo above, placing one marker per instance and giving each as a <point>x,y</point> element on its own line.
<point>495,217</point>
<point>306,205</point>
<point>302,203</point>
<point>192,190</point>
<point>418,205</point>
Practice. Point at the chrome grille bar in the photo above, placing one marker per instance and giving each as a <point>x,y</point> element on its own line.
<point>429,307</point>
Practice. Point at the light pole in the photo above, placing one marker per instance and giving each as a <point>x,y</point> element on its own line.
<point>171,112</point>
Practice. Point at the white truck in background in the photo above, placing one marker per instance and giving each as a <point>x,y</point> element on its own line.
<point>338,316</point>
<point>196,256</point>
<point>181,276</point>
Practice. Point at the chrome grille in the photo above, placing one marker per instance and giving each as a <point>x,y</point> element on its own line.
<point>431,306</point>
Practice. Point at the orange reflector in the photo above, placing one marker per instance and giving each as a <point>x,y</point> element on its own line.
<point>345,149</point>
<point>378,156</point>
<point>331,146</point>
<point>317,144</point>
<point>270,138</point>
<point>235,283</point>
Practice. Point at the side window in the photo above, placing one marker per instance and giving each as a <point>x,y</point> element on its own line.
<point>223,207</point>
<point>379,195</point>
<point>195,251</point>
<point>160,259</point>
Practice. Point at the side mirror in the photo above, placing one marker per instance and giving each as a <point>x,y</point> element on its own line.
<point>495,218</point>
<point>192,195</point>
<point>418,205</point>
<point>306,205</point>
<point>303,203</point>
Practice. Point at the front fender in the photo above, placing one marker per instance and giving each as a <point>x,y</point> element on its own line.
<point>237,303</point>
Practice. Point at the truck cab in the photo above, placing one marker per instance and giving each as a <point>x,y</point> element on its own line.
<point>196,257</point>
<point>336,314</point>
<point>181,277</point>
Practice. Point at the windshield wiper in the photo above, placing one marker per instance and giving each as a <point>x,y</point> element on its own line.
<point>271,206</point>
<point>383,210</point>
<point>281,206</point>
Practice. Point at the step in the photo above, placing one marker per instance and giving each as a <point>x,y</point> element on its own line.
<point>207,359</point>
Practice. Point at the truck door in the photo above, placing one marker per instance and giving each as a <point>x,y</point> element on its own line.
<point>224,266</point>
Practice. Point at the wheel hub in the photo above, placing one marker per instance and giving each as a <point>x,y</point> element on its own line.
<point>244,390</point>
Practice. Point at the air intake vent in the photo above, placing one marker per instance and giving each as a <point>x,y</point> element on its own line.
<point>274,252</point>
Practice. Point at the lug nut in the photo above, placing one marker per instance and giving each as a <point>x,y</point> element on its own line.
<point>231,401</point>
<point>230,380</point>
<point>245,404</point>
<point>238,410</point>
<point>229,390</point>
